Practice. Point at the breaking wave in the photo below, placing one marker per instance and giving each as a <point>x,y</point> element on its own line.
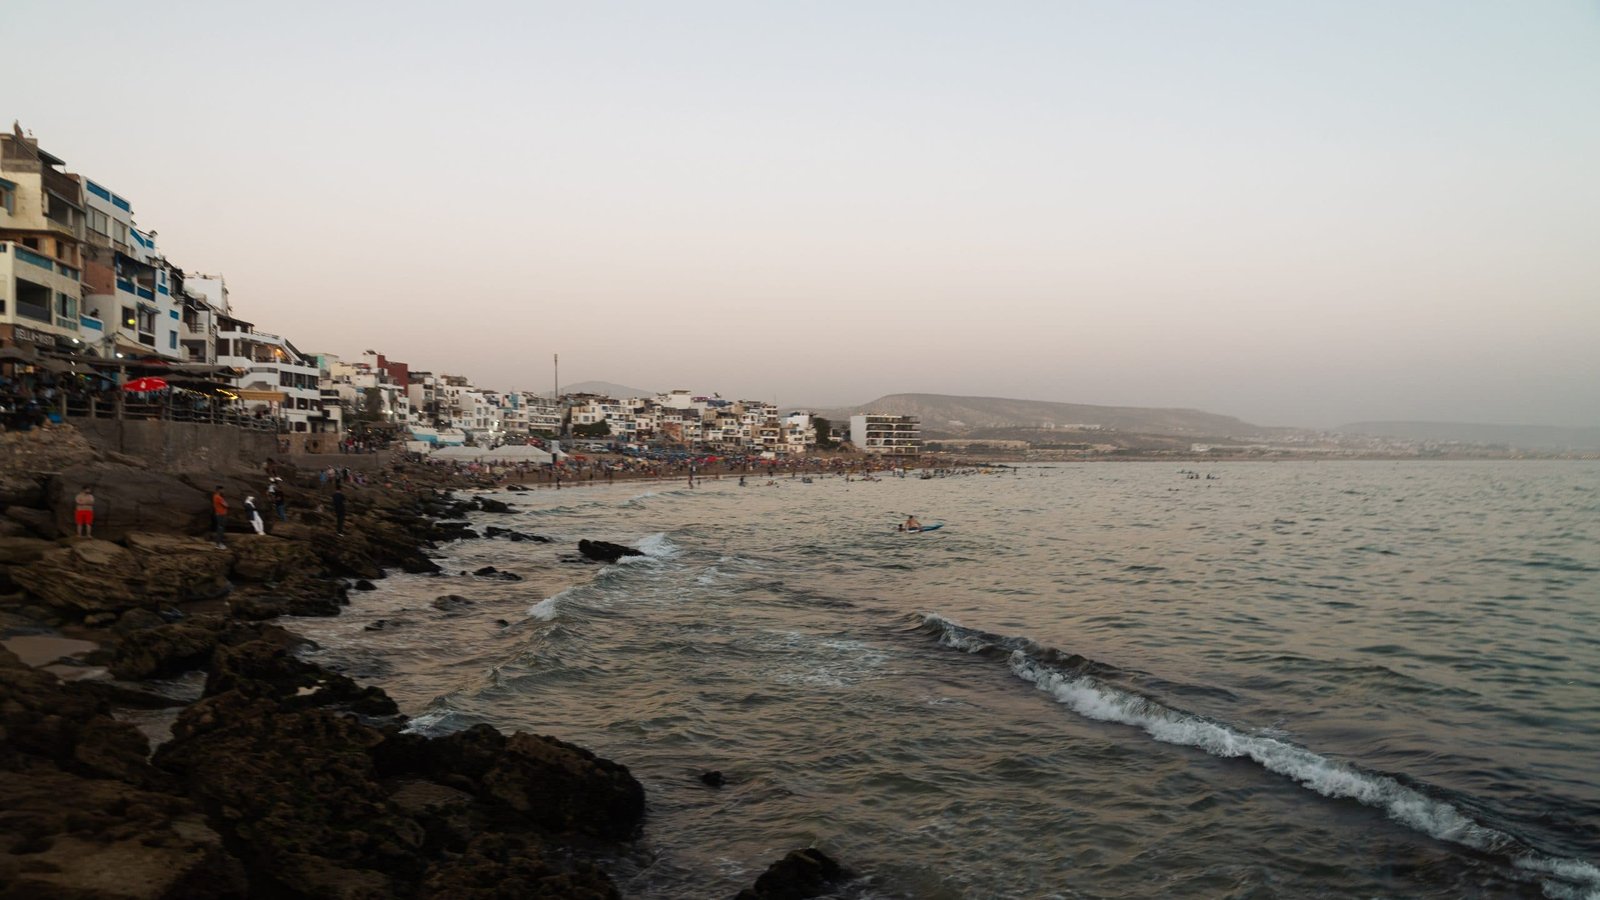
<point>1082,685</point>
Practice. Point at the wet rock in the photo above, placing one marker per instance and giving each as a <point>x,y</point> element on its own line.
<point>556,785</point>
<point>489,504</point>
<point>604,551</point>
<point>496,866</point>
<point>512,535</point>
<point>19,551</point>
<point>420,565</point>
<point>265,668</point>
<point>364,585</point>
<point>518,487</point>
<point>451,603</point>
<point>800,875</point>
<point>712,779</point>
<point>298,595</point>
<point>166,650</point>
<point>492,572</point>
<point>137,620</point>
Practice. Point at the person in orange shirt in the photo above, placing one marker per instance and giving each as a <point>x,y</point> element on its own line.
<point>219,515</point>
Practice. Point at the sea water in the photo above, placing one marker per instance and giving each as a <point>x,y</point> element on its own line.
<point>1097,680</point>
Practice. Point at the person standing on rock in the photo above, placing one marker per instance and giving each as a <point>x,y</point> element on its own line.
<point>275,494</point>
<point>83,512</point>
<point>219,516</point>
<point>338,508</point>
<point>253,515</point>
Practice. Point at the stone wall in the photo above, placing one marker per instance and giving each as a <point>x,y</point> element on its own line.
<point>181,446</point>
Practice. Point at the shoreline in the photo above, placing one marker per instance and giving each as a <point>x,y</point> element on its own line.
<point>280,776</point>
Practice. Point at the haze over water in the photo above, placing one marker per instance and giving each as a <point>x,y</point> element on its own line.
<point>1107,680</point>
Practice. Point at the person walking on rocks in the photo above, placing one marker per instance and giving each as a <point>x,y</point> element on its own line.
<point>275,494</point>
<point>338,508</point>
<point>253,515</point>
<point>219,516</point>
<point>83,513</point>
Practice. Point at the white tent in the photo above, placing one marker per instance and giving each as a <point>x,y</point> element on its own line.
<point>507,455</point>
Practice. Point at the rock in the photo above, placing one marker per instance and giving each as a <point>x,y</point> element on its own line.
<point>264,668</point>
<point>166,650</point>
<point>88,577</point>
<point>364,585</point>
<point>604,551</point>
<point>800,875</point>
<point>137,619</point>
<point>510,535</point>
<point>264,557</point>
<point>36,522</point>
<point>129,499</point>
<point>420,565</point>
<point>712,779</point>
<point>177,569</point>
<point>492,572</point>
<point>299,594</point>
<point>488,504</point>
<point>22,489</point>
<point>19,551</point>
<point>451,603</point>
<point>495,866</point>
<point>557,786</point>
<point>518,487</point>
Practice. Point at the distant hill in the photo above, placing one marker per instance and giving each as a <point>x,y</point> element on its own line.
<point>942,414</point>
<point>1522,437</point>
<point>614,391</point>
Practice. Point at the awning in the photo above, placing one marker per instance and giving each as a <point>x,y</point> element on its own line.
<point>259,396</point>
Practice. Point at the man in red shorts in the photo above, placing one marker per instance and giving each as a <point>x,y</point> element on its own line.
<point>83,514</point>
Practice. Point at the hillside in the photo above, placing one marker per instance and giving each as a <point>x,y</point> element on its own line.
<point>1524,437</point>
<point>942,414</point>
<point>604,388</point>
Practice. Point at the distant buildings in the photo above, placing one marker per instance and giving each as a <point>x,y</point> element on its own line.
<point>886,435</point>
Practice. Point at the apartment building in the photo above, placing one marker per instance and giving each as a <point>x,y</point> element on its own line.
<point>886,435</point>
<point>41,254</point>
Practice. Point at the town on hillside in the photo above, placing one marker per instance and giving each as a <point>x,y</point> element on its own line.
<point>97,322</point>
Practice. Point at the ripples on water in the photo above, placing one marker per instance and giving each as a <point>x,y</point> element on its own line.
<point>1107,680</point>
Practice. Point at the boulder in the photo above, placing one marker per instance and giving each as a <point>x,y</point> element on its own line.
<point>265,557</point>
<point>90,576</point>
<point>166,650</point>
<point>451,603</point>
<point>36,522</point>
<point>489,504</point>
<point>299,594</point>
<point>553,784</point>
<point>18,551</point>
<point>177,569</point>
<point>129,499</point>
<point>800,875</point>
<point>605,551</point>
<point>364,585</point>
<point>265,668</point>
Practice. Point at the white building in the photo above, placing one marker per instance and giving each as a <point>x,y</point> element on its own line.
<point>278,380</point>
<point>41,228</point>
<point>886,435</point>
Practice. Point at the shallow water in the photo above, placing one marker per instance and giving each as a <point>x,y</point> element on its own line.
<point>1106,680</point>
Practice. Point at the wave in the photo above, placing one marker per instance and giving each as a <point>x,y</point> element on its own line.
<point>1080,685</point>
<point>655,546</point>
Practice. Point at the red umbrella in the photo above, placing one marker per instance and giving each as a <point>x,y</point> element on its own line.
<point>140,385</point>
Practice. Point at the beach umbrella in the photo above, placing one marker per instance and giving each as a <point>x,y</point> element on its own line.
<point>140,385</point>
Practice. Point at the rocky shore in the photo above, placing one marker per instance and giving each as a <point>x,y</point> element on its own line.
<point>279,778</point>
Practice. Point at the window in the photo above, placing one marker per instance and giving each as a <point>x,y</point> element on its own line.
<point>129,321</point>
<point>8,196</point>
<point>33,301</point>
<point>119,232</point>
<point>66,305</point>
<point>99,222</point>
<point>172,340</point>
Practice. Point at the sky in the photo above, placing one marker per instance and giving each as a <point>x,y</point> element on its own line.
<point>1300,214</point>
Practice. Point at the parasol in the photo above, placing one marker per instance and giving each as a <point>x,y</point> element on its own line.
<point>141,385</point>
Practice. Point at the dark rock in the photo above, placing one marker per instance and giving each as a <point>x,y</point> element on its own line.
<point>558,786</point>
<point>166,650</point>
<point>130,499</point>
<point>177,569</point>
<point>137,620</point>
<point>492,572</point>
<point>419,565</point>
<point>265,668</point>
<point>495,866</point>
<point>800,875</point>
<point>299,595</point>
<point>364,585</point>
<point>488,504</point>
<point>37,522</point>
<point>712,779</point>
<point>90,576</point>
<point>264,557</point>
<point>502,623</point>
<point>451,603</point>
<point>18,551</point>
<point>518,487</point>
<point>604,551</point>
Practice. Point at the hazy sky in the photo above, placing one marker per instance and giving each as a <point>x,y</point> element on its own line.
<point>1297,213</point>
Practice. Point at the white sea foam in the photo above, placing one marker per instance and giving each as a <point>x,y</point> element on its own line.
<point>545,609</point>
<point>1094,699</point>
<point>656,546</point>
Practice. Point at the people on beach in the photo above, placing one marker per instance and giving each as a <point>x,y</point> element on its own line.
<point>911,524</point>
<point>83,512</point>
<point>219,516</point>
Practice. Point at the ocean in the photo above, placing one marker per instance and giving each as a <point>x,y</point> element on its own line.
<point>1297,679</point>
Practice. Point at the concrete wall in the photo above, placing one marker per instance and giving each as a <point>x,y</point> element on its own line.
<point>182,446</point>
